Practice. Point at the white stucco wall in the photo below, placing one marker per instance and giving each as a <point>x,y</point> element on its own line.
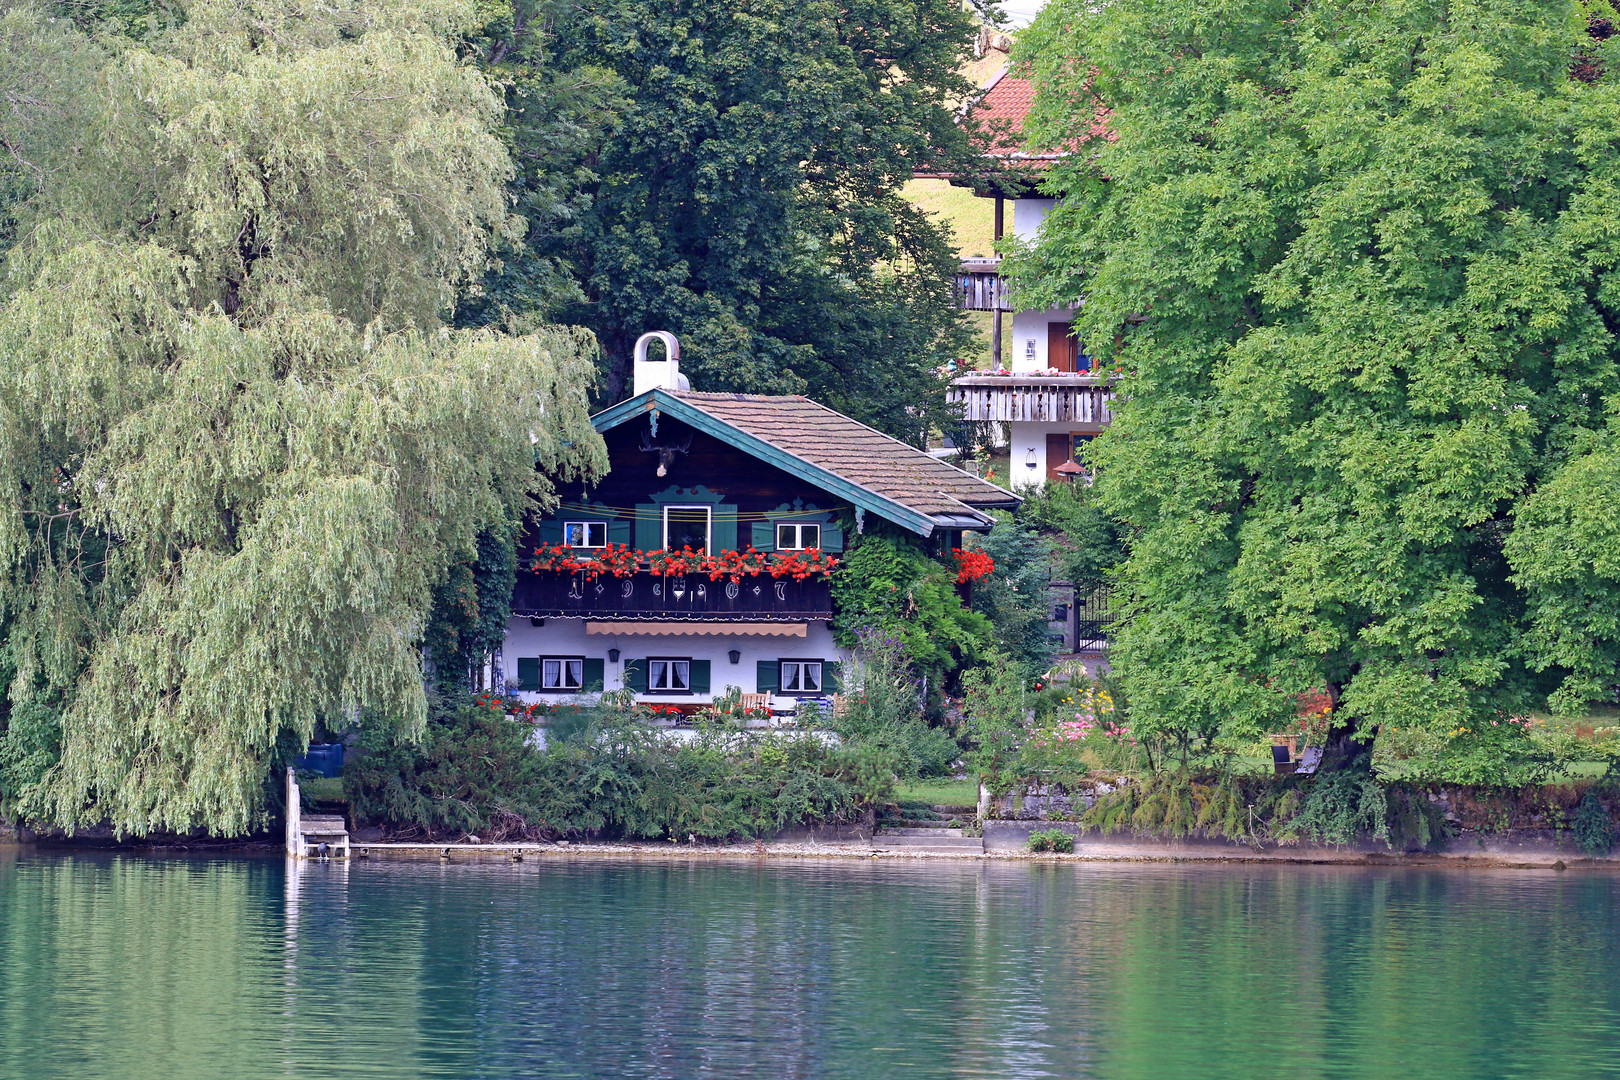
<point>1027,217</point>
<point>567,637</point>
<point>1031,326</point>
<point>1026,437</point>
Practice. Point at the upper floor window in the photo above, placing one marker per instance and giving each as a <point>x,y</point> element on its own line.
<point>688,526</point>
<point>797,537</point>
<point>801,676</point>
<point>585,534</point>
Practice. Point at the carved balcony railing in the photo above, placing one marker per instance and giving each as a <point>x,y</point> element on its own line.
<point>979,286</point>
<point>1081,398</point>
<point>647,596</point>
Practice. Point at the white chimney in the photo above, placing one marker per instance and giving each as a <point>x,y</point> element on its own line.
<point>662,374</point>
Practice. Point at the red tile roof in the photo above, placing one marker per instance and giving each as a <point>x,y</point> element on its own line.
<point>1000,113</point>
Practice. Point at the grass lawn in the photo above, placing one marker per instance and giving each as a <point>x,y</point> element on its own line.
<point>940,792</point>
<point>972,219</point>
<point>322,789</point>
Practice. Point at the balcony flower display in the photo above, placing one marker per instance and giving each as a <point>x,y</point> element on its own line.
<point>622,561</point>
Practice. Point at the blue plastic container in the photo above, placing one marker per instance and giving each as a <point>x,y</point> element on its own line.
<point>323,758</point>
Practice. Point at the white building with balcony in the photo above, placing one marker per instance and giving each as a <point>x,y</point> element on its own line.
<point>1042,390</point>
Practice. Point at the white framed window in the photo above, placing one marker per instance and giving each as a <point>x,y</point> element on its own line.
<point>800,676</point>
<point>585,534</point>
<point>562,672</point>
<point>688,526</point>
<point>669,675</point>
<point>797,537</point>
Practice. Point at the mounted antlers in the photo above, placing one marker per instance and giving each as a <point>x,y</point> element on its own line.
<point>666,453</point>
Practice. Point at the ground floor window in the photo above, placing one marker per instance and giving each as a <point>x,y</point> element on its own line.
<point>558,674</point>
<point>801,676</point>
<point>667,675</point>
<point>562,673</point>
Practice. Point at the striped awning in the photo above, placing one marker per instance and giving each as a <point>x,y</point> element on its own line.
<point>698,629</point>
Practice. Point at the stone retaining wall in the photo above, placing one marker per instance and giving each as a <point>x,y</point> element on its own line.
<point>1518,848</point>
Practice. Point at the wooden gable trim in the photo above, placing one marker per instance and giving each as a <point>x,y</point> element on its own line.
<point>686,413</point>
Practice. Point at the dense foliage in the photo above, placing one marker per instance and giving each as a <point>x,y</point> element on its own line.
<point>478,771</point>
<point>884,708</point>
<point>1354,263</point>
<point>1086,543</point>
<point>738,184</point>
<point>890,584</point>
<point>239,448</point>
<point>1013,595</point>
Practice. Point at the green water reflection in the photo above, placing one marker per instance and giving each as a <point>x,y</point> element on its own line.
<point>117,966</point>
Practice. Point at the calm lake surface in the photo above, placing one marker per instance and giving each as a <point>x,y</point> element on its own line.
<point>183,968</point>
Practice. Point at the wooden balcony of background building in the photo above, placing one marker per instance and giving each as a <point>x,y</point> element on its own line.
<point>1074,398</point>
<point>643,595</point>
<point>979,286</point>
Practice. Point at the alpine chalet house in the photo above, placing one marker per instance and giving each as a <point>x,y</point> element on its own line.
<point>699,563</point>
<point>1042,387</point>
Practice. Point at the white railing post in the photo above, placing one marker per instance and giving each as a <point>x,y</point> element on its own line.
<point>294,814</point>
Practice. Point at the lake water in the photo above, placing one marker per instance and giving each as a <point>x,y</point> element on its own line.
<point>185,968</point>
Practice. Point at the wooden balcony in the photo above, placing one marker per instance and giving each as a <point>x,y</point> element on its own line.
<point>979,286</point>
<point>643,595</point>
<point>1081,398</point>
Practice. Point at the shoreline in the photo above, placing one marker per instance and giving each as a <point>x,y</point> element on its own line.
<point>1464,852</point>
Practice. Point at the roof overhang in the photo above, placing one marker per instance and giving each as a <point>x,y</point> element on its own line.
<point>872,502</point>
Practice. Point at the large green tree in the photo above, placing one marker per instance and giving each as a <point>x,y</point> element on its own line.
<point>239,446</point>
<point>741,189</point>
<point>1354,262</point>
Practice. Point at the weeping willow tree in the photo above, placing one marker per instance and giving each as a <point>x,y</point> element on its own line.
<point>239,444</point>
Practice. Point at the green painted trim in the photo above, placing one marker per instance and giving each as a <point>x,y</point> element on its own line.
<point>867,499</point>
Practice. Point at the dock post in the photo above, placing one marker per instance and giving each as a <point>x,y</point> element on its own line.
<point>294,814</point>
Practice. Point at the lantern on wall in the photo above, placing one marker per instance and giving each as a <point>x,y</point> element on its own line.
<point>1030,461</point>
<point>613,656</point>
<point>735,656</point>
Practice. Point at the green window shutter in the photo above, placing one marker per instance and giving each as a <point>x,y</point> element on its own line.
<point>764,536</point>
<point>768,677</point>
<point>832,538</point>
<point>649,526</point>
<point>528,673</point>
<point>618,531</point>
<point>635,676</point>
<point>700,676</point>
<point>724,536</point>
<point>594,675</point>
<point>548,532</point>
<point>831,677</point>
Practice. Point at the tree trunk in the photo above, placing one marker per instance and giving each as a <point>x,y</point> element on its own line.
<point>1342,749</point>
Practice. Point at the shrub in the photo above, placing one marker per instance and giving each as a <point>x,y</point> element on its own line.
<point>1593,830</point>
<point>882,708</point>
<point>995,704</point>
<point>476,770</point>
<point>1051,840</point>
<point>1341,806</point>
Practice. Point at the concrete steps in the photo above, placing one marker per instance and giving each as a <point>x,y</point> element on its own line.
<point>928,840</point>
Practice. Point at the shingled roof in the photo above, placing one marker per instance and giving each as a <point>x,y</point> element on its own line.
<point>877,473</point>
